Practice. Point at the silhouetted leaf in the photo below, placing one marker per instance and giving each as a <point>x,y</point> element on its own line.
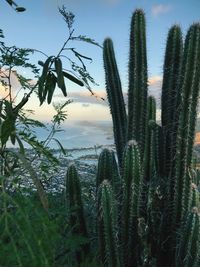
<point>86,39</point>
<point>73,79</point>
<point>60,145</point>
<point>7,127</point>
<point>20,9</point>
<point>60,77</point>
<point>43,77</point>
<point>51,87</point>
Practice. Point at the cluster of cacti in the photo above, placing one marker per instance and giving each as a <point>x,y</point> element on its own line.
<point>148,211</point>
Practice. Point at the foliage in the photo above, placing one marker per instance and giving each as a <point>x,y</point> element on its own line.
<point>145,208</point>
<point>15,125</point>
<point>33,230</point>
<point>15,6</point>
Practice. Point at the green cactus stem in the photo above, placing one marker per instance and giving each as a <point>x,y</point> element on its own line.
<point>75,207</point>
<point>131,177</point>
<point>190,90</point>
<point>115,98</point>
<point>110,225</point>
<point>170,99</point>
<point>137,92</point>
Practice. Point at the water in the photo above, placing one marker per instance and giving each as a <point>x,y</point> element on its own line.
<point>81,134</point>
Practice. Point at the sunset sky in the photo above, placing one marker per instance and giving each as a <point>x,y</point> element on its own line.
<point>41,27</point>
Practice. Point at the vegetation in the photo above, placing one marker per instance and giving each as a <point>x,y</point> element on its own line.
<point>15,6</point>
<point>143,210</point>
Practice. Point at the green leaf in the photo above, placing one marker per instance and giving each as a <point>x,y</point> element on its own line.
<point>60,145</point>
<point>73,79</point>
<point>86,39</point>
<point>48,85</point>
<point>60,77</point>
<point>51,88</point>
<point>21,146</point>
<point>20,9</point>
<point>35,179</point>
<point>43,77</point>
<point>7,128</point>
<point>41,63</point>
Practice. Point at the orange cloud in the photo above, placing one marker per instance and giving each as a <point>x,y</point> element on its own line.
<point>155,80</point>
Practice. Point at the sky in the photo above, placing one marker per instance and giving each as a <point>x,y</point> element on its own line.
<point>41,27</point>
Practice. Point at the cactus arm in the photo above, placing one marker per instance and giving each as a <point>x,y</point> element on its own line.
<point>115,97</point>
<point>191,68</point>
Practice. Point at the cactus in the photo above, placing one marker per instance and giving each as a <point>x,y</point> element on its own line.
<point>115,97</point>
<point>170,99</point>
<point>132,127</point>
<point>148,211</point>
<point>75,205</point>
<point>130,202</point>
<point>110,224</point>
<point>190,84</point>
<point>137,92</point>
<point>107,170</point>
<point>166,150</point>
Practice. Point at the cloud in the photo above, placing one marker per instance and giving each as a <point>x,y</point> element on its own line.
<point>85,105</point>
<point>86,98</point>
<point>157,10</point>
<point>155,85</point>
<point>15,84</point>
<point>155,80</point>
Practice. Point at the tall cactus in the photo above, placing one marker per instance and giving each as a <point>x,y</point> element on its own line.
<point>107,170</point>
<point>110,225</point>
<point>171,94</point>
<point>130,202</point>
<point>133,127</point>
<point>190,87</point>
<point>115,97</point>
<point>137,92</point>
<point>75,205</point>
<point>148,213</point>
<point>166,150</point>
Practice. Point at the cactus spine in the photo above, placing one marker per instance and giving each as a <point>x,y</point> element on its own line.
<point>137,92</point>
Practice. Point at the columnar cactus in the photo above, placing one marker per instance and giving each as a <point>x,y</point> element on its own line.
<point>110,225</point>
<point>190,86</point>
<point>170,99</point>
<point>115,97</point>
<point>130,202</point>
<point>148,213</point>
<point>166,150</point>
<point>137,92</point>
<point>107,171</point>
<point>75,208</point>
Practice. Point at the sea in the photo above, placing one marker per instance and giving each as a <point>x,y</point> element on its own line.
<point>80,134</point>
